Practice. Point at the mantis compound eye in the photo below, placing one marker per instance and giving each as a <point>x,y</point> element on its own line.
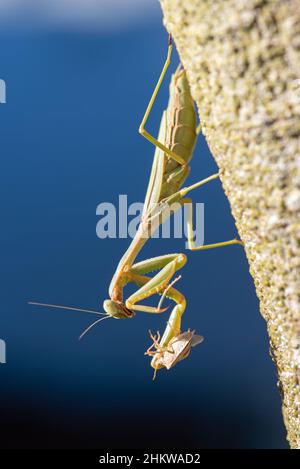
<point>117,309</point>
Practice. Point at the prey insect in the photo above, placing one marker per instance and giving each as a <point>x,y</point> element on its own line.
<point>174,148</point>
<point>176,350</point>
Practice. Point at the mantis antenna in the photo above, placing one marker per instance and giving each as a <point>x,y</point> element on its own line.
<point>74,309</point>
<point>66,307</point>
<point>92,325</point>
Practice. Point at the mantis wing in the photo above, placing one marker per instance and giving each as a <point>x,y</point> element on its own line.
<point>157,171</point>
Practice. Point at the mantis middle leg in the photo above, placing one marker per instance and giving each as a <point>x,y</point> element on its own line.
<point>179,197</point>
<point>167,264</point>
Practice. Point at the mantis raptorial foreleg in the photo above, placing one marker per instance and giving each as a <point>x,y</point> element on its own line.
<point>174,148</point>
<point>180,198</point>
<point>169,264</point>
<point>190,232</point>
<point>156,285</point>
<point>150,265</point>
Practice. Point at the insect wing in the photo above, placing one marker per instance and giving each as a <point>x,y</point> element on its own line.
<point>196,340</point>
<point>178,349</point>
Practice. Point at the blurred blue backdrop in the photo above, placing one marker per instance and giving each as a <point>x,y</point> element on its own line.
<point>69,140</point>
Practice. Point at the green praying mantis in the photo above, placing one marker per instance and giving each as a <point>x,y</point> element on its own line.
<point>174,148</point>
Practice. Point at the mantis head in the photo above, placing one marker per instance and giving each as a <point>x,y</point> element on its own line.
<point>117,310</point>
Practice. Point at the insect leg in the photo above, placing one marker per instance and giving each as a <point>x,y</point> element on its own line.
<point>142,129</point>
<point>179,197</point>
<point>174,322</point>
<point>187,189</point>
<point>154,263</point>
<point>155,285</point>
<point>173,327</point>
<point>171,204</point>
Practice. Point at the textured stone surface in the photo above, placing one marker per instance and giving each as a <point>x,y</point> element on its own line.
<point>243,62</point>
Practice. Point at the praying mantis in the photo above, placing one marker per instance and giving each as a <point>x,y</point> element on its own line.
<point>173,151</point>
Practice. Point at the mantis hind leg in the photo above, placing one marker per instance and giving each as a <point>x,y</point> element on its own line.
<point>142,129</point>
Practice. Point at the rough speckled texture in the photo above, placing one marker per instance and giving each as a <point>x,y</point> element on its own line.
<point>243,63</point>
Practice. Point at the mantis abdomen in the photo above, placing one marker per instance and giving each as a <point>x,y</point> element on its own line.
<point>178,134</point>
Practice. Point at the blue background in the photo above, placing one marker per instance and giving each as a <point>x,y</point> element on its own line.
<point>69,141</point>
